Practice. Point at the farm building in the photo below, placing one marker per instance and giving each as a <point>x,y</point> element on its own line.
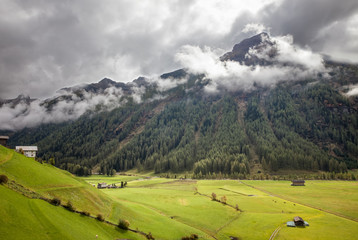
<point>102,185</point>
<point>3,140</point>
<point>105,185</point>
<point>29,151</point>
<point>297,222</point>
<point>298,183</point>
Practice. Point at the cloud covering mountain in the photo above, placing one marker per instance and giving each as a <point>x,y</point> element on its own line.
<point>46,45</point>
<point>289,62</point>
<point>283,61</point>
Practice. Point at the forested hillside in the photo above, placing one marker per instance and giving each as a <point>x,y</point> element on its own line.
<point>304,125</point>
<point>307,124</point>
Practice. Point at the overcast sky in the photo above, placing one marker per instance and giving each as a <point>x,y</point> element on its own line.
<point>46,45</point>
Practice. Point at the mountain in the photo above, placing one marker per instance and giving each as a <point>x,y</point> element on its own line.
<point>21,99</point>
<point>173,124</point>
<point>241,51</point>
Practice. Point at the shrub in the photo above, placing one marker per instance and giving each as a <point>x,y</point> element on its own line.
<point>3,179</point>
<point>123,224</point>
<point>191,237</point>
<point>55,201</point>
<point>213,196</point>
<point>69,206</point>
<point>223,199</point>
<point>85,213</point>
<point>100,217</point>
<point>149,236</point>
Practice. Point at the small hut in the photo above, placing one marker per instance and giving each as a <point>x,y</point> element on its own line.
<point>298,221</point>
<point>3,140</point>
<point>102,185</point>
<point>298,183</point>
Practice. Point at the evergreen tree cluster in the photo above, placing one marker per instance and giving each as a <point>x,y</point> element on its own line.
<point>297,126</point>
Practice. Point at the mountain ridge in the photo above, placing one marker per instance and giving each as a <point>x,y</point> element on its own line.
<point>307,124</point>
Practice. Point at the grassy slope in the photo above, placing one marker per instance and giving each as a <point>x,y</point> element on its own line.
<point>24,218</point>
<point>53,182</point>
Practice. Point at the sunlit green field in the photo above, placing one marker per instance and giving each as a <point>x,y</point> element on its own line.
<point>174,202</point>
<point>339,197</point>
<point>171,208</point>
<point>25,218</point>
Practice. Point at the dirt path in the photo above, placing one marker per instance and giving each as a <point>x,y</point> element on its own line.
<point>7,158</point>
<point>273,235</point>
<point>303,204</point>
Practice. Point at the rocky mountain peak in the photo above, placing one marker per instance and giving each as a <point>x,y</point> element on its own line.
<point>241,51</point>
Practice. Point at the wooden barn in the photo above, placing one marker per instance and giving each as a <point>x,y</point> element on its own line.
<point>3,140</point>
<point>297,222</point>
<point>298,183</point>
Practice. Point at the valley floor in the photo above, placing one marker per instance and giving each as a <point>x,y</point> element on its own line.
<point>171,209</point>
<point>168,208</point>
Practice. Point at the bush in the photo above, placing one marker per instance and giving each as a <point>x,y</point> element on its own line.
<point>69,206</point>
<point>223,199</point>
<point>213,196</point>
<point>3,179</point>
<point>149,236</point>
<point>123,224</point>
<point>191,237</point>
<point>55,201</point>
<point>100,217</point>
<point>85,213</point>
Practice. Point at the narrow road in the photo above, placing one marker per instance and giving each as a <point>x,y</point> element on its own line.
<point>273,235</point>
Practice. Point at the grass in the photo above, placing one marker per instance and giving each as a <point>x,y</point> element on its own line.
<point>262,212</point>
<point>339,197</point>
<point>116,179</point>
<point>24,218</point>
<point>170,208</point>
<point>51,182</point>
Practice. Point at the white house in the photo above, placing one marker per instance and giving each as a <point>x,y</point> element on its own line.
<point>29,151</point>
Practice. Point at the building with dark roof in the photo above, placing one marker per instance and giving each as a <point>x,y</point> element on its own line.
<point>298,183</point>
<point>3,140</point>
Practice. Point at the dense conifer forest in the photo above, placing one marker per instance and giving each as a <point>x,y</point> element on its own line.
<point>307,125</point>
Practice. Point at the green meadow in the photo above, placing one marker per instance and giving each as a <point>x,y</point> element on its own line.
<point>339,197</point>
<point>175,202</point>
<point>170,208</point>
<point>26,218</point>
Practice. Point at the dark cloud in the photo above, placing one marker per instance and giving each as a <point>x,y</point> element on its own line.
<point>46,45</point>
<point>305,18</point>
<point>324,25</point>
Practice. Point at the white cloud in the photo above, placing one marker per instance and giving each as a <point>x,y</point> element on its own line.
<point>233,76</point>
<point>254,28</point>
<point>353,91</point>
<point>167,83</point>
<point>70,106</point>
